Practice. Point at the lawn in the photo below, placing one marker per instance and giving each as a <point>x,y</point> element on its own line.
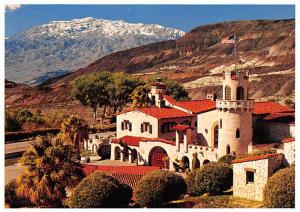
<point>220,201</point>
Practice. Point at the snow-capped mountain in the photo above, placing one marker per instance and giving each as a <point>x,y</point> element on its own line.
<point>60,47</point>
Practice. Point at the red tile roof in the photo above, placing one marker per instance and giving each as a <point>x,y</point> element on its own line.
<point>195,106</point>
<point>254,158</point>
<point>158,84</point>
<point>287,140</point>
<point>270,107</point>
<point>160,113</point>
<point>181,127</point>
<point>129,175</point>
<point>274,116</point>
<point>135,141</point>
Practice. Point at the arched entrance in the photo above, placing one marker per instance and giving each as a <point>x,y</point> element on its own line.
<point>186,162</point>
<point>133,155</point>
<point>159,157</point>
<point>240,93</point>
<point>228,149</point>
<point>196,163</point>
<point>117,153</point>
<point>206,162</point>
<point>125,154</point>
<point>216,136</point>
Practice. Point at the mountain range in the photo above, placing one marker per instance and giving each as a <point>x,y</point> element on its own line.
<point>265,48</point>
<point>60,47</point>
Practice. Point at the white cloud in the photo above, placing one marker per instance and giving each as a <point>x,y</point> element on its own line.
<point>12,7</point>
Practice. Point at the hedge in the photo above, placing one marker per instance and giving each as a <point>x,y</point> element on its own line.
<point>213,178</point>
<point>16,136</point>
<point>279,191</point>
<point>159,187</point>
<point>100,190</point>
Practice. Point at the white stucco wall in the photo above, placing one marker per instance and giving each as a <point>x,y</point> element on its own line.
<point>289,152</point>
<point>137,118</point>
<point>207,121</point>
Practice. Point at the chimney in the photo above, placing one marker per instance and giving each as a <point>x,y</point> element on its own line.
<point>211,96</point>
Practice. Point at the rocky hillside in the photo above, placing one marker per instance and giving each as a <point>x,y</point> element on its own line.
<point>61,47</point>
<point>265,48</point>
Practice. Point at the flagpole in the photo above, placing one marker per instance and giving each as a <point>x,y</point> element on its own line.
<point>235,52</point>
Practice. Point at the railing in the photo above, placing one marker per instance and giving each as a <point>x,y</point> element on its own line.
<point>235,104</point>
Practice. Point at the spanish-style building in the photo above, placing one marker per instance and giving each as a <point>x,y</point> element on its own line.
<point>171,130</point>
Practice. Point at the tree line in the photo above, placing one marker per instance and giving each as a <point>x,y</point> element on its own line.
<point>105,90</point>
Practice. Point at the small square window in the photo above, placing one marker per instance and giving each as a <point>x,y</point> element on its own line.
<point>249,177</point>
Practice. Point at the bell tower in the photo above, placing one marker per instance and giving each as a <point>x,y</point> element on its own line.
<point>235,114</point>
<point>157,89</point>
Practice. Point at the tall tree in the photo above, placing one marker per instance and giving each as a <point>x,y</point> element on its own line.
<point>73,131</point>
<point>140,96</point>
<point>120,90</point>
<point>49,170</point>
<point>91,90</point>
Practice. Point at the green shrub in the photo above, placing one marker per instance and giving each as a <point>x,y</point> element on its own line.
<point>100,190</point>
<point>213,178</point>
<point>226,159</point>
<point>11,123</point>
<point>190,182</point>
<point>279,191</point>
<point>104,151</point>
<point>12,198</point>
<point>159,187</point>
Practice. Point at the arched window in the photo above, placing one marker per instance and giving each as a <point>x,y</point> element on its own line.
<point>237,133</point>
<point>216,135</point>
<point>220,123</point>
<point>228,149</point>
<point>227,93</point>
<point>240,93</point>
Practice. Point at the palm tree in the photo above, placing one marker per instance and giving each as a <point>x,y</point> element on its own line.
<point>139,96</point>
<point>49,170</point>
<point>73,131</point>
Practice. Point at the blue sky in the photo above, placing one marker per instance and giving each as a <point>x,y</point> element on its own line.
<point>184,17</point>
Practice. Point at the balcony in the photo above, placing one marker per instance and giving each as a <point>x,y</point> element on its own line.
<point>248,104</point>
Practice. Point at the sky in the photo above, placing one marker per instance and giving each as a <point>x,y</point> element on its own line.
<point>185,17</point>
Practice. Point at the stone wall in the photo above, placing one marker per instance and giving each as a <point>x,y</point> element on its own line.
<point>289,152</point>
<point>262,170</point>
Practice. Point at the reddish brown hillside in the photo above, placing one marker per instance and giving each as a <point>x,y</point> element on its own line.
<point>265,48</point>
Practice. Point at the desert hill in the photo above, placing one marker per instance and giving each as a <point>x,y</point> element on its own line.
<point>266,48</point>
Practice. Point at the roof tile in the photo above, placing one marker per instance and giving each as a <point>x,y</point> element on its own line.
<point>270,107</point>
<point>254,158</point>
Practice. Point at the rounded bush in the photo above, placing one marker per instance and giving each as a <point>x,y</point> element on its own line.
<point>226,159</point>
<point>159,187</point>
<point>190,182</point>
<point>104,151</point>
<point>11,197</point>
<point>100,190</point>
<point>213,178</point>
<point>279,191</point>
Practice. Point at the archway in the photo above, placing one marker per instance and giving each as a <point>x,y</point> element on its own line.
<point>125,154</point>
<point>133,155</point>
<point>227,93</point>
<point>117,153</point>
<point>159,157</point>
<point>206,162</point>
<point>186,162</point>
<point>228,149</point>
<point>216,136</point>
<point>240,93</point>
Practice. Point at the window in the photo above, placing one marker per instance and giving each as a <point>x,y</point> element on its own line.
<point>240,93</point>
<point>146,127</point>
<point>227,93</point>
<point>122,125</point>
<point>237,133</point>
<point>249,177</point>
<point>126,125</point>
<point>130,126</point>
<point>152,100</point>
<point>220,123</point>
<point>195,123</point>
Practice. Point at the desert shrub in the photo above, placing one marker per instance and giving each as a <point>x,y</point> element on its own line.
<point>11,123</point>
<point>100,190</point>
<point>226,159</point>
<point>55,118</point>
<point>11,197</point>
<point>279,191</point>
<point>159,187</point>
<point>213,178</point>
<point>104,151</point>
<point>15,136</point>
